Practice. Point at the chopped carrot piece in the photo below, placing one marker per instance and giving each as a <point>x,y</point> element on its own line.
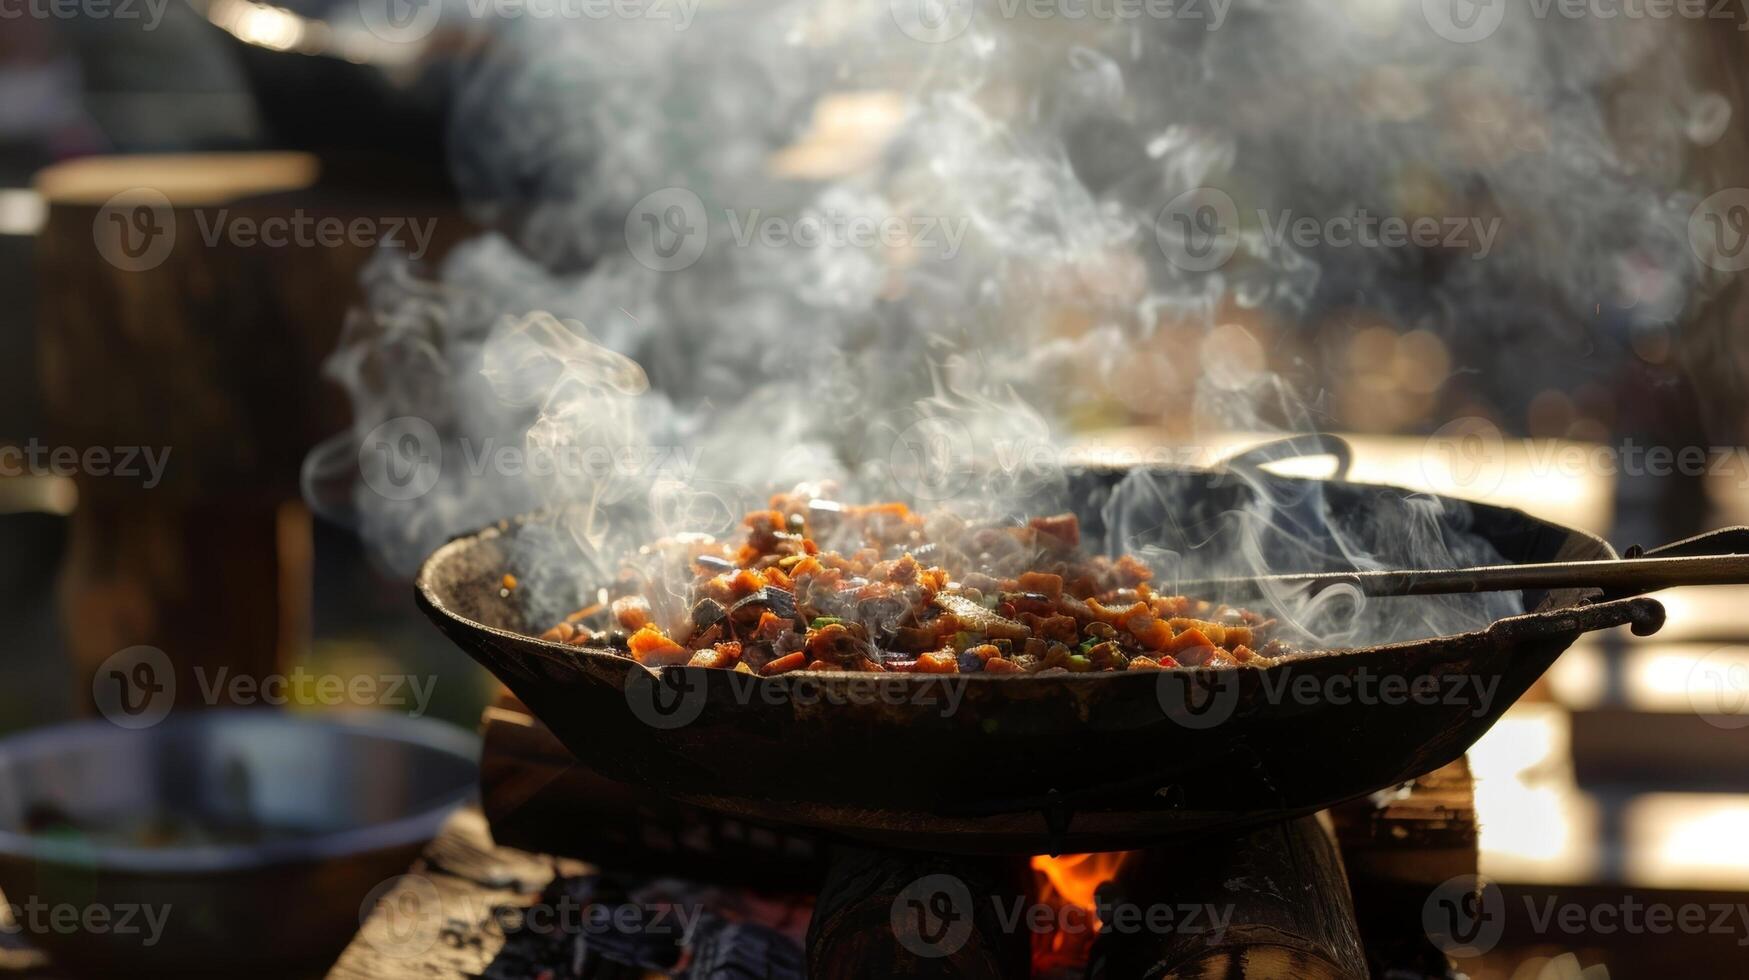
<point>1150,632</point>
<point>652,647</point>
<point>1198,656</point>
<point>999,665</point>
<point>1214,634</point>
<point>785,664</point>
<point>746,582</point>
<point>985,651</point>
<point>939,662</point>
<point>1143,663</point>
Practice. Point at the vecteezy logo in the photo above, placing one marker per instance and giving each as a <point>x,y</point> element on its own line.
<point>400,21</point>
<point>402,458</point>
<point>1467,453</point>
<point>667,229</point>
<point>932,916</point>
<point>1718,230</point>
<point>135,230</point>
<point>932,458</point>
<point>932,21</point>
<point>1198,699</point>
<point>135,688</point>
<point>1465,916</point>
<point>1198,231</point>
<point>668,699</point>
<point>1718,687</point>
<point>401,917</point>
<point>1464,21</point>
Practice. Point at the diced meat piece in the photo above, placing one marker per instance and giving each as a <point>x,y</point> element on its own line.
<point>1129,572</point>
<point>1246,655</point>
<point>904,571</point>
<point>837,643</point>
<point>632,611</point>
<point>1064,530</point>
<point>721,656</point>
<point>1048,585</point>
<point>1142,663</point>
<point>1062,629</point>
<point>771,628</point>
<point>1116,615</point>
<point>974,618</point>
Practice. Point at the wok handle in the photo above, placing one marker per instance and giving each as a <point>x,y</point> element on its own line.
<point>1644,616</point>
<point>1717,543</point>
<point>1251,461</point>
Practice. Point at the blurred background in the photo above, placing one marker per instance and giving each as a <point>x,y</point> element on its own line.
<point>1544,385</point>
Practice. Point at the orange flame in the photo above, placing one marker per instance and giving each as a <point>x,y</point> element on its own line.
<point>1074,877</point>
<point>1069,884</point>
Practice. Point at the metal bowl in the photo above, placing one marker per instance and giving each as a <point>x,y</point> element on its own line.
<point>234,842</point>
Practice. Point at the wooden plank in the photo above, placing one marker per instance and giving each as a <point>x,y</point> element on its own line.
<point>438,921</point>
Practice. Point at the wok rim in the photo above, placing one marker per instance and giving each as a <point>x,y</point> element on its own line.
<point>1640,617</point>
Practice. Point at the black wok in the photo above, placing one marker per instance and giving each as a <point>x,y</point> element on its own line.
<point>1021,764</point>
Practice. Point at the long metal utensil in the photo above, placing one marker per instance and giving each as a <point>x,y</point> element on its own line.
<point>1624,576</point>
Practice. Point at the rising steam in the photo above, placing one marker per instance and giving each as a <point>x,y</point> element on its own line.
<point>634,294</point>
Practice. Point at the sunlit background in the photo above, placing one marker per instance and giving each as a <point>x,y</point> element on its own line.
<point>1609,774</point>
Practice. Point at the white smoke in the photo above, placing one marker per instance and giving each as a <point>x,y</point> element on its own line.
<point>670,264</point>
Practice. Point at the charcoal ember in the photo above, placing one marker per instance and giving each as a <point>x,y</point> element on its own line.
<point>723,950</point>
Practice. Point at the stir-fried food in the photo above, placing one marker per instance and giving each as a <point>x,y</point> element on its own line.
<point>818,585</point>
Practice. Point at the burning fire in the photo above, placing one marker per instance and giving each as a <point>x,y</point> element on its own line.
<point>1068,885</point>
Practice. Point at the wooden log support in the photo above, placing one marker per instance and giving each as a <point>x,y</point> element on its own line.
<point>884,913</point>
<point>1398,847</point>
<point>1280,892</point>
